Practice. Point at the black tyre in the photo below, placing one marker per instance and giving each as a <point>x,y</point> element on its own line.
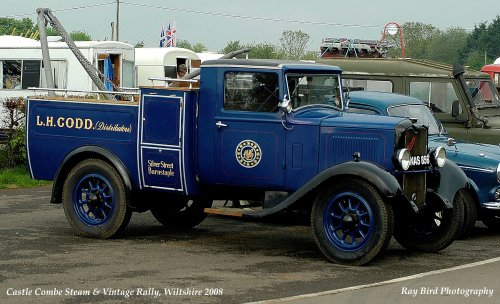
<point>181,213</point>
<point>351,223</point>
<point>491,220</point>
<point>433,228</point>
<point>95,200</point>
<point>470,214</point>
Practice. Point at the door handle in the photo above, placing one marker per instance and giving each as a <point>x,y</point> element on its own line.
<point>219,124</point>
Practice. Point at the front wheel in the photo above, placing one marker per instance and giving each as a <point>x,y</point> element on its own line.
<point>181,213</point>
<point>351,223</point>
<point>95,200</point>
<point>434,228</point>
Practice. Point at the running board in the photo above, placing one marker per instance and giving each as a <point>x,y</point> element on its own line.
<point>244,212</point>
<point>234,212</point>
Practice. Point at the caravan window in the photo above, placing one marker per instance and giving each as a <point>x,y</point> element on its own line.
<point>128,74</point>
<point>22,74</point>
<point>11,74</point>
<point>31,73</point>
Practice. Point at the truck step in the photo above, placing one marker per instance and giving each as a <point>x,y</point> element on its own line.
<point>235,212</point>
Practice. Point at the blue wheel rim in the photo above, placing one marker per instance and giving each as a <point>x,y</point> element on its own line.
<point>348,221</point>
<point>93,200</point>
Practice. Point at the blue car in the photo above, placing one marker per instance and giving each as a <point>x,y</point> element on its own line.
<point>480,162</point>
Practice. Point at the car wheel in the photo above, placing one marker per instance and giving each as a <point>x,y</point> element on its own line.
<point>434,228</point>
<point>351,223</point>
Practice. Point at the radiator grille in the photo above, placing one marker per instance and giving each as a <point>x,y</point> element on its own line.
<point>414,183</point>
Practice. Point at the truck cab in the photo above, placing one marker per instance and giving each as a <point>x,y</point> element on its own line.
<point>266,136</point>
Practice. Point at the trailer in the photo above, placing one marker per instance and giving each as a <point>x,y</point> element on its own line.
<point>162,62</point>
<point>21,65</point>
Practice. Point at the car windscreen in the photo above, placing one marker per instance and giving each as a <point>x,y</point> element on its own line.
<point>421,113</point>
<point>483,92</point>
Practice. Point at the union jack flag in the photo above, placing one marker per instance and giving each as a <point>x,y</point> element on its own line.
<point>170,36</point>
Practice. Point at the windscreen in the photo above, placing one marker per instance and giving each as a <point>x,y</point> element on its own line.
<point>310,89</point>
<point>484,94</point>
<point>421,113</point>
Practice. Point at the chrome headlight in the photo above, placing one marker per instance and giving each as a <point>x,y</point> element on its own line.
<point>498,173</point>
<point>438,157</point>
<point>403,156</point>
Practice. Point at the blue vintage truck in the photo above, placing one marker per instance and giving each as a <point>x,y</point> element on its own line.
<point>272,133</point>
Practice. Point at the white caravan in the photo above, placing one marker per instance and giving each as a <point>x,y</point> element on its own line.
<point>162,62</point>
<point>21,64</point>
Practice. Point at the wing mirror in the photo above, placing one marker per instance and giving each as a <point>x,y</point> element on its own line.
<point>347,100</point>
<point>286,105</point>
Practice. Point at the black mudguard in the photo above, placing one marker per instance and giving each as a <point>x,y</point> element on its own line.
<point>79,154</point>
<point>381,179</point>
<point>446,181</point>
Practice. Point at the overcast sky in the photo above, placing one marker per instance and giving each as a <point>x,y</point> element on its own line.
<point>214,23</point>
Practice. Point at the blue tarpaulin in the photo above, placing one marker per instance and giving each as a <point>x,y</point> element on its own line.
<point>108,72</point>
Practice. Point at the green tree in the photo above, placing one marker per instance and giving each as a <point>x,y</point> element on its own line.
<point>51,32</point>
<point>11,26</point>
<point>485,40</point>
<point>293,44</point>
<point>264,51</point>
<point>416,37</point>
<point>233,46</point>
<point>196,47</point>
<point>475,59</point>
<point>311,55</point>
<point>80,36</point>
<point>447,46</point>
<point>181,43</point>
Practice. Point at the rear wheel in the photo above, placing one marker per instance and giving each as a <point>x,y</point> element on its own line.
<point>351,223</point>
<point>181,213</point>
<point>95,200</point>
<point>433,228</point>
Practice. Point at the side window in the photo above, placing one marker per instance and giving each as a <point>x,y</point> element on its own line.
<point>11,74</point>
<point>368,85</point>
<point>361,110</point>
<point>440,96</point>
<point>20,74</point>
<point>252,92</point>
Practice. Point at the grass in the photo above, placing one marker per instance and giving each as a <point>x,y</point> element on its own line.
<point>13,178</point>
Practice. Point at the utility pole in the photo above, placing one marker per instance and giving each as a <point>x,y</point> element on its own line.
<point>113,28</point>
<point>117,19</point>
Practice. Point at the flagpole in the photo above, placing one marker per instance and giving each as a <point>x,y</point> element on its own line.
<point>117,19</point>
<point>174,35</point>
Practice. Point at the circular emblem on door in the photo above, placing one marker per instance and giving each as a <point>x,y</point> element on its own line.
<point>248,153</point>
